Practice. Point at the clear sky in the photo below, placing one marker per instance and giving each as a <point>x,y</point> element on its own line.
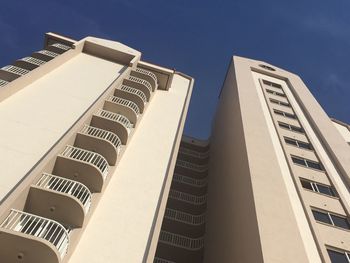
<point>308,37</point>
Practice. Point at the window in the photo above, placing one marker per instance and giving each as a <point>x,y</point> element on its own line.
<point>331,219</point>
<point>290,127</point>
<point>297,143</point>
<point>318,188</point>
<point>272,84</point>
<point>285,114</point>
<point>338,257</point>
<point>275,93</point>
<point>282,103</point>
<point>307,163</point>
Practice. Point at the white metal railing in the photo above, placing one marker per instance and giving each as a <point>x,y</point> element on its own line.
<point>39,227</point>
<point>33,61</point>
<point>189,180</point>
<point>142,81</point>
<point>134,91</point>
<point>85,156</point>
<point>192,166</point>
<point>162,260</point>
<point>3,82</point>
<point>15,70</point>
<point>67,186</point>
<point>115,117</point>
<point>183,217</point>
<point>48,53</point>
<point>181,241</point>
<point>193,153</point>
<point>102,134</point>
<point>61,46</point>
<point>149,73</point>
<point>125,102</point>
<point>188,198</point>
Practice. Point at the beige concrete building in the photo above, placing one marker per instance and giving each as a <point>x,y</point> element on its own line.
<point>94,167</point>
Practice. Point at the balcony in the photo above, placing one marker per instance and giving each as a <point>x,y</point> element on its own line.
<point>10,73</point>
<point>112,122</point>
<point>181,241</point>
<point>59,199</point>
<point>189,180</point>
<point>162,260</point>
<point>124,107</point>
<point>139,84</point>
<point>195,167</point>
<point>193,153</point>
<point>135,95</point>
<point>3,82</point>
<point>58,48</point>
<point>84,166</point>
<point>188,198</point>
<point>146,75</point>
<point>44,55</point>
<point>183,217</point>
<point>29,63</point>
<point>32,239</point>
<point>101,141</point>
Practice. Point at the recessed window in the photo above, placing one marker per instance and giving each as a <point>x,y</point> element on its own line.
<point>282,103</point>
<point>297,143</point>
<point>307,163</point>
<point>318,188</point>
<point>275,93</point>
<point>267,67</point>
<point>285,114</point>
<point>339,257</point>
<point>272,84</point>
<point>331,219</point>
<point>290,127</point>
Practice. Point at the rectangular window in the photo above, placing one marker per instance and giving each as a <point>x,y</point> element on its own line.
<point>275,93</point>
<point>285,114</point>
<point>318,188</point>
<point>307,163</point>
<point>297,143</point>
<point>331,219</point>
<point>338,257</point>
<point>269,83</point>
<point>290,127</point>
<point>282,103</point>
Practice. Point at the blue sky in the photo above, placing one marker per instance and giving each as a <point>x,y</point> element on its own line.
<point>310,38</point>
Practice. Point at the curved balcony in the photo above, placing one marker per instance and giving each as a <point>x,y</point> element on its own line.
<point>139,84</point>
<point>84,166</point>
<point>132,94</point>
<point>44,55</point>
<point>32,239</point>
<point>60,199</point>
<point>183,217</point>
<point>146,75</point>
<point>101,141</point>
<point>10,73</point>
<point>58,48</point>
<point>124,107</point>
<point>181,241</point>
<point>112,122</point>
<point>3,82</point>
<point>29,63</point>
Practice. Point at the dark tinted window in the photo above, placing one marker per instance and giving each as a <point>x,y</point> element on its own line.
<point>292,116</point>
<point>305,145</point>
<point>306,184</point>
<point>340,221</point>
<point>322,217</point>
<point>297,129</point>
<point>327,190</point>
<point>298,161</point>
<point>290,141</point>
<point>314,165</point>
<point>337,257</point>
<point>266,82</point>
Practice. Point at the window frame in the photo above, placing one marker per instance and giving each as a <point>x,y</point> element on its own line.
<point>340,251</point>
<point>306,163</point>
<point>272,84</point>
<point>281,103</point>
<point>314,186</point>
<point>297,143</point>
<point>290,127</point>
<point>276,93</point>
<point>285,114</point>
<point>329,215</point>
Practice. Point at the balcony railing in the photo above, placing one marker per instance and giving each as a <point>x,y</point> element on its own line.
<point>148,73</point>
<point>33,61</point>
<point>188,198</point>
<point>135,92</point>
<point>181,241</point>
<point>3,82</point>
<point>189,180</point>
<point>193,153</point>
<point>67,186</point>
<point>142,81</point>
<point>183,217</point>
<point>39,227</point>
<point>126,103</point>
<point>162,260</point>
<point>15,70</point>
<point>85,156</point>
<point>103,134</point>
<point>115,117</point>
<point>61,46</point>
<point>192,166</point>
<point>48,53</point>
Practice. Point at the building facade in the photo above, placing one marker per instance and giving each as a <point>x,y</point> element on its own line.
<point>95,167</point>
